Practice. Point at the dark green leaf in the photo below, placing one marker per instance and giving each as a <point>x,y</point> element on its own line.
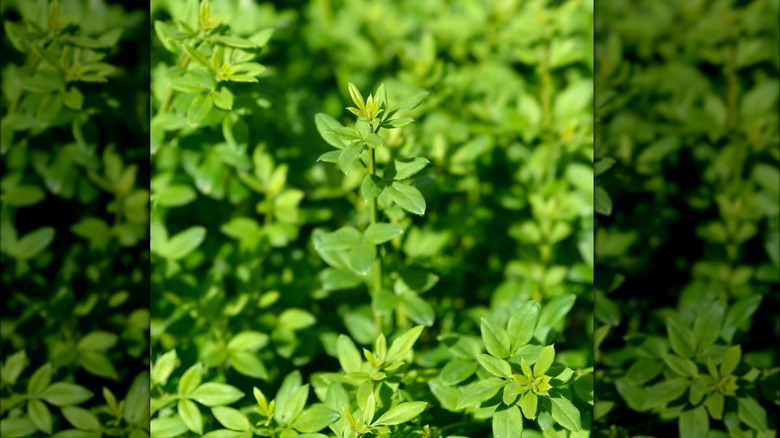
<point>694,423</point>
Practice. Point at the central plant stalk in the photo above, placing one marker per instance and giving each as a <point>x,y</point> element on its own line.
<point>374,220</point>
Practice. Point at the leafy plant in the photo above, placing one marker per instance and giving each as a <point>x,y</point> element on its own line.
<point>688,255</point>
<point>342,290</point>
<point>74,221</point>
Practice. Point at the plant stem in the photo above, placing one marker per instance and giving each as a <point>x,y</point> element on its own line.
<point>375,219</point>
<point>377,286</point>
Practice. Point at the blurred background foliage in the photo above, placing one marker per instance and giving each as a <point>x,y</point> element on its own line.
<point>75,218</point>
<point>237,192</point>
<point>688,96</point>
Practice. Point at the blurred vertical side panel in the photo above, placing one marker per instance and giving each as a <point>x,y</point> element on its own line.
<point>688,232</point>
<point>74,330</point>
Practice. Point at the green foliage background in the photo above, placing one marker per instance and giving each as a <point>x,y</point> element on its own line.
<point>237,194</point>
<point>688,264</point>
<point>74,332</point>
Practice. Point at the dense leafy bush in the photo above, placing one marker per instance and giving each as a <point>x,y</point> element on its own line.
<point>688,264</point>
<point>426,245</point>
<point>74,328</point>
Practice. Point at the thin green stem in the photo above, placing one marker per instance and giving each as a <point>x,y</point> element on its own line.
<point>375,219</point>
<point>377,286</point>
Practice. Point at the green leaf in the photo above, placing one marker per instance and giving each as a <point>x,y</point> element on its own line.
<point>714,404</point>
<point>407,197</point>
<point>409,103</point>
<point>731,360</point>
<point>325,126</point>
<point>17,427</point>
<point>290,410</point>
<point>683,367</point>
<point>357,98</point>
<point>418,309</point>
<point>286,397</point>
<point>371,187</point>
<point>522,324</point>
<point>403,344</point>
<point>603,203</point>
<point>380,233</point>
<point>398,123</point>
<point>164,367</point>
<point>97,363</point>
<point>708,325</point>
<point>296,319</point>
<point>190,415</point>
<point>249,340</point>
<point>190,379</point>
<point>738,314</point>
<point>374,140</point>
<point>694,423</point>
<point>566,414</point>
<point>348,355</point>
<point>32,244</point>
<point>456,371</point>
<point>248,364</point>
<point>66,394</point>
<point>495,338</point>
<point>175,195</point>
<point>216,394</point>
<point>682,339</point>
<point>40,379</point>
<point>553,314</point>
<point>508,423</point>
<point>643,371</point>
<point>13,367</point>
<point>231,418</point>
<point>97,340</point>
<point>262,37</point>
<point>481,391</point>
<point>40,415</point>
<point>495,366</point>
<point>314,419</point>
<point>330,157</point>
<point>602,165</point>
<point>182,244</point>
<point>752,413</point>
<point>407,168</point>
<point>546,357</point>
<point>23,196</point>
<point>349,155</point>
<point>234,41</point>
<point>223,98</point>
<point>529,403</point>
<point>200,108</point>
<point>341,239</point>
<point>168,427</point>
<point>81,418</point>
<point>401,413</point>
<point>362,257</point>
